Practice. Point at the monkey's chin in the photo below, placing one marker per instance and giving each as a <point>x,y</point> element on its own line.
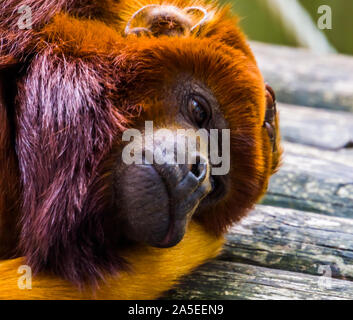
<point>178,223</point>
<point>179,220</point>
<point>175,234</point>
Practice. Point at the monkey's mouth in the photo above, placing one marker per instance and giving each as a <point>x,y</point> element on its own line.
<point>183,208</point>
<point>155,204</point>
<point>176,229</point>
<point>174,234</point>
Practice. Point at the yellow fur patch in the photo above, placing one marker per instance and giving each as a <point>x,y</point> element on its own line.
<point>153,272</point>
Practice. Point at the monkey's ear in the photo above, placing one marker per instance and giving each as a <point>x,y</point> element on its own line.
<point>157,20</point>
<point>271,124</point>
<point>270,116</point>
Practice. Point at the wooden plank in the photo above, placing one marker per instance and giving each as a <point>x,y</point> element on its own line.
<point>294,241</point>
<point>277,253</point>
<point>324,129</point>
<point>306,78</point>
<point>313,180</point>
<point>229,280</point>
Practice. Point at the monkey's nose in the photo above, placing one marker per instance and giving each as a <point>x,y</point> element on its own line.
<point>199,169</point>
<point>196,184</point>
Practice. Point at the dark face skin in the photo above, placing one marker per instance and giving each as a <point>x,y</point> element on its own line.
<point>155,202</point>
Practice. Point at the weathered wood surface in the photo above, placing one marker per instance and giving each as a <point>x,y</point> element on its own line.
<point>277,253</point>
<point>317,170</point>
<point>229,280</point>
<point>322,129</point>
<point>305,78</point>
<point>293,240</point>
<point>314,180</point>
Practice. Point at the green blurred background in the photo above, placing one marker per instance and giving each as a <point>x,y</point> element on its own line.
<point>263,25</point>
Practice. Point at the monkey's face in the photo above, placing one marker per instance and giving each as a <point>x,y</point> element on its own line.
<point>198,146</point>
<point>171,173</point>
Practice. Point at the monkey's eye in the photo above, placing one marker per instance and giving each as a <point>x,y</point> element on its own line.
<point>199,111</point>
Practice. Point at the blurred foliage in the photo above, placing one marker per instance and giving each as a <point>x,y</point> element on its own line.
<point>262,25</point>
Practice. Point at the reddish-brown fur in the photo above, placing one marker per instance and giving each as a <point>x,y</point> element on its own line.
<point>81,83</point>
<point>9,192</point>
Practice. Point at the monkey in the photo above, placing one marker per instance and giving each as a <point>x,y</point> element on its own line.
<point>71,86</point>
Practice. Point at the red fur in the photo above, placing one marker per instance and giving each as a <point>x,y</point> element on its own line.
<point>81,85</point>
